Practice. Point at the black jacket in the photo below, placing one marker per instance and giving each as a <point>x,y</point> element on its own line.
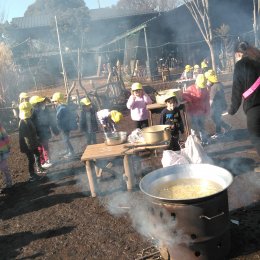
<point>84,124</point>
<point>245,74</point>
<point>172,118</point>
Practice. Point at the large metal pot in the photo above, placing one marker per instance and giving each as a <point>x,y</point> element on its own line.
<point>150,183</point>
<point>203,220</point>
<point>156,134</point>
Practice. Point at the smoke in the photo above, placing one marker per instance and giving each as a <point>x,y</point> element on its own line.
<point>151,221</point>
<point>244,190</point>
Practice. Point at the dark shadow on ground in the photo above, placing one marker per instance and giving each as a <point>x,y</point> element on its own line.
<point>36,204</point>
<point>11,244</point>
<point>245,236</point>
<point>28,197</point>
<point>236,166</point>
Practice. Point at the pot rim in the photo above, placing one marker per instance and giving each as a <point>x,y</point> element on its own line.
<point>147,130</point>
<point>147,182</point>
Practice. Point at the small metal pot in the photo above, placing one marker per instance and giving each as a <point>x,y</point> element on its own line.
<point>156,134</point>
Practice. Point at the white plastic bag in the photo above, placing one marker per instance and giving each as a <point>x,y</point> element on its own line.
<point>136,136</point>
<point>194,151</point>
<point>173,157</point>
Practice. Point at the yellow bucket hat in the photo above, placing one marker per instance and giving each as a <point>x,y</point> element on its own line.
<point>25,110</point>
<point>58,97</point>
<point>188,68</point>
<point>201,81</point>
<point>136,86</point>
<point>85,101</point>
<point>211,76</point>
<point>169,95</point>
<point>23,95</point>
<point>196,66</point>
<point>36,99</point>
<point>116,116</point>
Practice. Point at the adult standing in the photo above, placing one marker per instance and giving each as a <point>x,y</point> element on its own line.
<point>246,73</point>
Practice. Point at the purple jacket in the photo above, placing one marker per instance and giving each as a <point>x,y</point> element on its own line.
<point>138,108</point>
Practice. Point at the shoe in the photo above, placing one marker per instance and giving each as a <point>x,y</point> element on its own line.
<point>41,170</point>
<point>216,136</point>
<point>46,165</point>
<point>69,155</point>
<point>204,143</point>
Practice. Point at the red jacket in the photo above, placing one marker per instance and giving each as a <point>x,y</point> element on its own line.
<point>198,100</point>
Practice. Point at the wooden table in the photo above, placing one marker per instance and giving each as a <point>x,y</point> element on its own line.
<point>102,151</point>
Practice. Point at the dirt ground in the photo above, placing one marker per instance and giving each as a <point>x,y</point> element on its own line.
<point>56,218</point>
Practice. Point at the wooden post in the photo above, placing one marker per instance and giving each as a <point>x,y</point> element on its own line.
<point>128,167</point>
<point>61,58</point>
<point>147,55</point>
<point>99,65</point>
<point>91,179</point>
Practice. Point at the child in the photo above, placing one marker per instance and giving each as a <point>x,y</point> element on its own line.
<point>63,122</point>
<point>23,97</point>
<point>187,73</point>
<point>171,116</point>
<point>137,103</point>
<point>4,154</point>
<point>28,140</point>
<point>218,103</point>
<point>88,121</point>
<point>197,97</point>
<point>108,119</point>
<point>44,124</point>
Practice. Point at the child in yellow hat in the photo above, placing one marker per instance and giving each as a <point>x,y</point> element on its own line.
<point>88,121</point>
<point>137,103</point>
<point>108,119</point>
<point>197,98</point>
<point>171,116</point>
<point>28,140</point>
<point>218,103</point>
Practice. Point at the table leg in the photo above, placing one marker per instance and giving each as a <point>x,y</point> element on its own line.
<point>128,167</point>
<point>91,179</point>
<point>151,117</point>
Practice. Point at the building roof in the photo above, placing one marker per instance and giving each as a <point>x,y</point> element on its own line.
<point>95,15</point>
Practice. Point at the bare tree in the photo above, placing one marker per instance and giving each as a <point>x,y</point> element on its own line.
<point>199,10</point>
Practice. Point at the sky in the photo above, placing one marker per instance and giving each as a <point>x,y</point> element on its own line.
<point>16,8</point>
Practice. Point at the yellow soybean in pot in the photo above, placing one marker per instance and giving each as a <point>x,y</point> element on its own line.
<point>183,189</point>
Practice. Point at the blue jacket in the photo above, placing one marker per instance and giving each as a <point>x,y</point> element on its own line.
<point>63,118</point>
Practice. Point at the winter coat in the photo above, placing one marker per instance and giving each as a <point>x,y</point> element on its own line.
<point>27,136</point>
<point>63,118</point>
<point>246,73</point>
<point>104,119</point>
<point>173,118</point>
<point>4,143</point>
<point>83,122</point>
<point>43,123</point>
<point>198,100</point>
<point>137,106</point>
<point>217,98</point>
